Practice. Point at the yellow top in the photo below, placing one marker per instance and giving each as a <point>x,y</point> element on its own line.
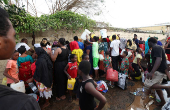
<point>137,56</point>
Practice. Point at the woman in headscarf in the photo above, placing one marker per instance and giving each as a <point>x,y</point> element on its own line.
<point>130,47</point>
<point>43,75</point>
<point>146,46</point>
<point>103,47</point>
<point>60,57</point>
<point>43,44</point>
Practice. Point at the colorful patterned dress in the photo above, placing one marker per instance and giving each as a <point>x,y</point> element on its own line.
<point>103,47</point>
<point>125,65</point>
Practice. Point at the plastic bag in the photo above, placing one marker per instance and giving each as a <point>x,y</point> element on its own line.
<point>112,75</point>
<point>103,33</point>
<point>166,106</point>
<point>102,86</point>
<point>86,32</point>
<point>101,57</point>
<point>4,81</point>
<point>20,86</point>
<point>122,52</point>
<point>122,81</point>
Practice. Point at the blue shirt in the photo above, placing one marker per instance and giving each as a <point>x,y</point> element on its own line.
<point>159,43</point>
<point>81,45</point>
<point>137,42</point>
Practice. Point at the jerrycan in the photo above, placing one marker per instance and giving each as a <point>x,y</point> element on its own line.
<point>20,86</point>
<point>71,83</point>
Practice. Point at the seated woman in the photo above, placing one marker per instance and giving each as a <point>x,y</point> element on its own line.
<point>24,64</point>
<point>136,64</point>
<point>130,47</point>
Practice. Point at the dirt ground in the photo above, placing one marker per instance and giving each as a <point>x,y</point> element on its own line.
<point>117,99</point>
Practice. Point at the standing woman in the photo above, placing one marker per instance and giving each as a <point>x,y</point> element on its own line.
<point>43,75</point>
<point>44,45</point>
<point>103,47</point>
<point>88,51</point>
<point>60,57</point>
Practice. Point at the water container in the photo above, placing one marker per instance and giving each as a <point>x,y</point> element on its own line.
<point>86,32</point>
<point>71,83</point>
<point>103,33</point>
<point>20,86</point>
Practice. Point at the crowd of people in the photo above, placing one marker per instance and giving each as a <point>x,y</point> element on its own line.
<point>51,65</point>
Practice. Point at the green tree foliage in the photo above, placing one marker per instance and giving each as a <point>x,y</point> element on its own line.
<point>4,1</point>
<point>24,22</point>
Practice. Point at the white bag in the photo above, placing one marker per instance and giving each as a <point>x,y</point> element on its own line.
<point>122,81</point>
<point>164,95</point>
<point>101,57</point>
<point>166,106</point>
<point>103,33</point>
<point>20,86</point>
<point>122,52</point>
<point>86,32</point>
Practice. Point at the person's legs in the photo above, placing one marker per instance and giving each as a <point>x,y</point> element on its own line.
<point>114,62</point>
<point>95,66</point>
<point>46,104</point>
<point>155,83</point>
<point>70,97</point>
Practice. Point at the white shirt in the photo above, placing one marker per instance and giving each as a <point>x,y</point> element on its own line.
<point>18,45</point>
<point>115,47</point>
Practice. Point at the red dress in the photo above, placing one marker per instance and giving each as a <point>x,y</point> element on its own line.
<point>72,69</point>
<point>25,72</point>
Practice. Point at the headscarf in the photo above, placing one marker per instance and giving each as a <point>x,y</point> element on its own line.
<point>74,45</point>
<point>43,72</point>
<point>146,46</point>
<point>132,46</point>
<point>55,43</point>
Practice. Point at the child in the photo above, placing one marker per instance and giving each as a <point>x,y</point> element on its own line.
<point>108,64</point>
<point>125,63</point>
<point>107,61</point>
<point>71,70</point>
<point>88,91</point>
<point>95,54</point>
<point>11,71</point>
<point>85,57</point>
<point>136,64</point>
